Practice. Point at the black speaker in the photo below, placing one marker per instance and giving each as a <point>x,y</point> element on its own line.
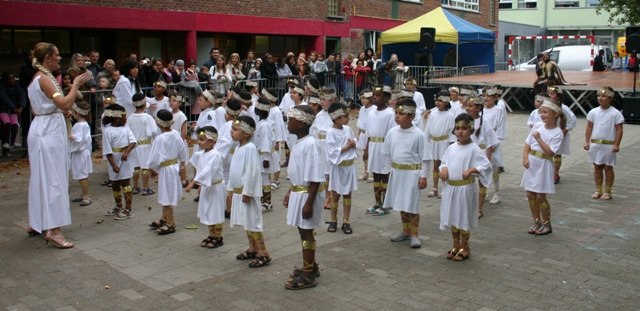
<point>428,38</point>
<point>631,109</point>
<point>633,40</point>
<point>429,94</point>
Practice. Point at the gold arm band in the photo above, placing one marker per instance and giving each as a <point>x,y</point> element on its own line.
<point>144,142</point>
<point>435,174</point>
<point>333,205</point>
<point>119,150</point>
<point>376,139</point>
<point>169,162</point>
<point>482,146</point>
<point>557,159</point>
<point>462,182</point>
<point>406,167</point>
<point>56,94</point>
<point>440,138</point>
<point>364,131</point>
<point>482,190</point>
<point>603,142</point>
<point>308,244</point>
<point>322,136</point>
<point>346,163</point>
<point>238,190</point>
<point>541,155</point>
<point>145,172</point>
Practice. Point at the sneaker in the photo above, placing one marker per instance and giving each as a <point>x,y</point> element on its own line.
<point>415,242</point>
<point>495,199</point>
<point>123,216</point>
<point>267,207</point>
<point>556,179</point>
<point>275,185</point>
<point>148,191</point>
<point>17,145</point>
<point>113,212</point>
<point>6,146</point>
<point>196,199</point>
<point>399,237</point>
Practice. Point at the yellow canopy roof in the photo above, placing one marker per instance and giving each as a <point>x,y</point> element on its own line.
<point>410,31</point>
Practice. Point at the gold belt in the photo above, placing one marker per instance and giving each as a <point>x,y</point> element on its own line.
<point>363,131</point>
<point>409,167</point>
<point>232,151</point>
<point>440,138</point>
<point>322,136</point>
<point>539,154</point>
<point>305,189</point>
<point>272,150</point>
<point>346,163</point>
<point>238,190</point>
<point>603,142</point>
<point>462,182</point>
<point>169,162</point>
<point>119,150</point>
<point>482,146</point>
<point>376,139</point>
<point>216,182</point>
<point>144,142</point>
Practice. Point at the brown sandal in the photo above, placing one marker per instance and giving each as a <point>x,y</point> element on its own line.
<point>247,255</point>
<point>260,261</point>
<point>301,282</point>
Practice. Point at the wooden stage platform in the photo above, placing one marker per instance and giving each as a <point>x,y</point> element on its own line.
<point>518,85</point>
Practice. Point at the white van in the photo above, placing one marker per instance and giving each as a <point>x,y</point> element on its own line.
<point>571,57</point>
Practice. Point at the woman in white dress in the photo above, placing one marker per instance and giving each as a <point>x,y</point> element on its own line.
<point>49,147</point>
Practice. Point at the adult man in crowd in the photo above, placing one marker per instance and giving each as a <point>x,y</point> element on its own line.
<point>130,55</point>
<point>213,56</point>
<point>248,63</point>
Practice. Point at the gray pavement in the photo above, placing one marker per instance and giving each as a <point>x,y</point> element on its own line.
<point>588,262</point>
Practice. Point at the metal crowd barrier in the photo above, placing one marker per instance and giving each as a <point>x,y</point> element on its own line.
<point>502,66</point>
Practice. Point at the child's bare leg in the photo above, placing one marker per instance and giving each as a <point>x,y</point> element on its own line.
<point>610,176</point>
<point>84,184</point>
<point>545,211</point>
<point>145,178</point>
<point>481,198</point>
<point>305,277</point>
<point>455,233</point>
<point>598,177</point>
<point>136,177</point>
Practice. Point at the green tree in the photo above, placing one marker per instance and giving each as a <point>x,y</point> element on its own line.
<point>621,11</point>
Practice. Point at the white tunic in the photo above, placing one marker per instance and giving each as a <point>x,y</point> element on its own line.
<point>565,148</point>
<point>534,118</point>
<point>604,128</point>
<point>319,129</point>
<point>244,177</point>
<point>220,119</point>
<point>457,108</point>
<point>48,153</point>
<point>362,125</point>
<point>80,149</point>
<point>286,103</point>
<point>439,124</point>
<point>538,177</point>
<point>279,127</point>
<point>304,168</point>
<point>379,123</point>
<point>264,139</point>
<point>212,202</point>
<point>405,146</point>
<point>144,129</point>
<point>118,137</point>
<point>168,146</point>
<point>498,117</point>
<point>251,111</point>
<point>178,120</point>
<point>225,146</point>
<point>124,91</point>
<point>154,105</point>
<point>487,138</point>
<point>459,205</point>
<point>421,107</point>
<point>342,179</point>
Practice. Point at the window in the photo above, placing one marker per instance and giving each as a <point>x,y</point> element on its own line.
<point>61,38</point>
<point>567,3</point>
<point>592,3</point>
<point>25,40</point>
<point>335,9</point>
<point>276,45</point>
<point>467,5</point>
<point>527,4</point>
<point>5,41</point>
<point>505,4</point>
<point>492,12</point>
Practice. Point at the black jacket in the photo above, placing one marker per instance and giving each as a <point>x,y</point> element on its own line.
<point>12,97</point>
<point>269,71</point>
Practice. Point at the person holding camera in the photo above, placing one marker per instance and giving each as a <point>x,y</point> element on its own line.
<point>78,66</point>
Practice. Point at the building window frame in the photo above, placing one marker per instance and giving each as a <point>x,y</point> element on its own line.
<point>566,4</point>
<point>462,5</point>
<point>527,4</point>
<point>505,4</point>
<point>334,10</point>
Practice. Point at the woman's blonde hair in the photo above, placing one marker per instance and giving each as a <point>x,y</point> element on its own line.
<point>72,62</point>
<point>109,61</point>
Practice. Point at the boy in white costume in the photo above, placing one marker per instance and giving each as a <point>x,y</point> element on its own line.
<point>279,129</point>
<point>534,117</point>
<point>421,107</point>
<point>80,150</point>
<point>159,101</point>
<point>439,135</point>
<point>498,117</point>
<point>225,145</point>
<point>179,125</point>
<point>305,198</point>
<point>144,129</point>
<point>407,152</point>
<point>264,138</point>
<point>319,129</point>
<point>365,99</point>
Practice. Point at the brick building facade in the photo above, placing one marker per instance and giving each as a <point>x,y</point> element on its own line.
<point>187,29</point>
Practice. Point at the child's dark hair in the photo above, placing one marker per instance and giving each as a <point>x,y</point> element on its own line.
<point>207,128</point>
<point>463,117</point>
<point>164,115</point>
<point>247,119</point>
<point>108,120</point>
<point>234,104</point>
<point>406,102</point>
<point>262,114</point>
<point>85,106</point>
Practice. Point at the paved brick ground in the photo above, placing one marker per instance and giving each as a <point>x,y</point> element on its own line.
<point>589,262</point>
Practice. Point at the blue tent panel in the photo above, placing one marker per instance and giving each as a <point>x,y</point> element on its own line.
<point>472,54</point>
<point>469,32</point>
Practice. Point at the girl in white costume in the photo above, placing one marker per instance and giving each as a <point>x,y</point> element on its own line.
<point>211,210</point>
<point>341,152</point>
<point>279,129</point>
<point>365,100</point>
<point>555,94</point>
<point>207,116</point>
<point>319,129</point>
<point>144,128</point>
<point>179,125</point>
<point>498,117</point>
<point>245,184</point>
<point>462,163</point>
<point>264,138</point>
<point>80,150</point>
<point>541,145</point>
<point>304,201</point>
<point>439,135</point>
<point>602,140</point>
<point>406,148</point>
<point>225,145</point>
<point>534,117</point>
<point>484,136</point>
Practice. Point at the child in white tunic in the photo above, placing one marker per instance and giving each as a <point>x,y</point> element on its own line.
<point>602,140</point>
<point>304,201</point>
<point>541,145</point>
<point>225,144</point>
<point>319,129</point>
<point>279,129</point>
<point>207,116</point>
<point>379,122</point>
<point>159,101</point>
<point>421,107</point>
<point>484,136</point>
<point>264,138</point>
<point>555,94</point>
<point>365,100</point>
<point>462,163</point>
<point>208,162</point>
<point>180,125</point>
<point>439,135</point>
<point>117,143</point>
<point>498,117</point>
<point>341,152</point>
<point>144,128</point>
<point>80,150</point>
<point>406,150</point>
<point>167,153</point>
<point>246,185</point>
<point>534,117</point>
<point>286,102</point>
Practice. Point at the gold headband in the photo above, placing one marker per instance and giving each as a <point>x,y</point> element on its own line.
<point>313,89</point>
<point>314,100</point>
<point>454,89</point>
<point>555,89</point>
<point>406,109</point>
<point>301,116</point>
<point>164,124</point>
<point>607,93</point>
<point>208,96</point>
<point>161,83</point>
<point>464,124</point>
<point>444,99</point>
<point>550,105</point>
<point>80,111</point>
<point>384,89</point>
<point>395,95</point>
<point>410,81</point>
<point>327,96</point>
<point>209,135</point>
<point>298,90</point>
<point>407,94</point>
<point>367,94</point>
<point>139,103</point>
<point>492,91</point>
<point>540,98</point>
<point>244,126</point>
<point>114,113</point>
<point>263,107</point>
<point>338,113</point>
<point>268,95</point>
<point>251,83</point>
<point>232,112</point>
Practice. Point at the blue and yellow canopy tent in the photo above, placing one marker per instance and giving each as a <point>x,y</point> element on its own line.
<point>474,44</point>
